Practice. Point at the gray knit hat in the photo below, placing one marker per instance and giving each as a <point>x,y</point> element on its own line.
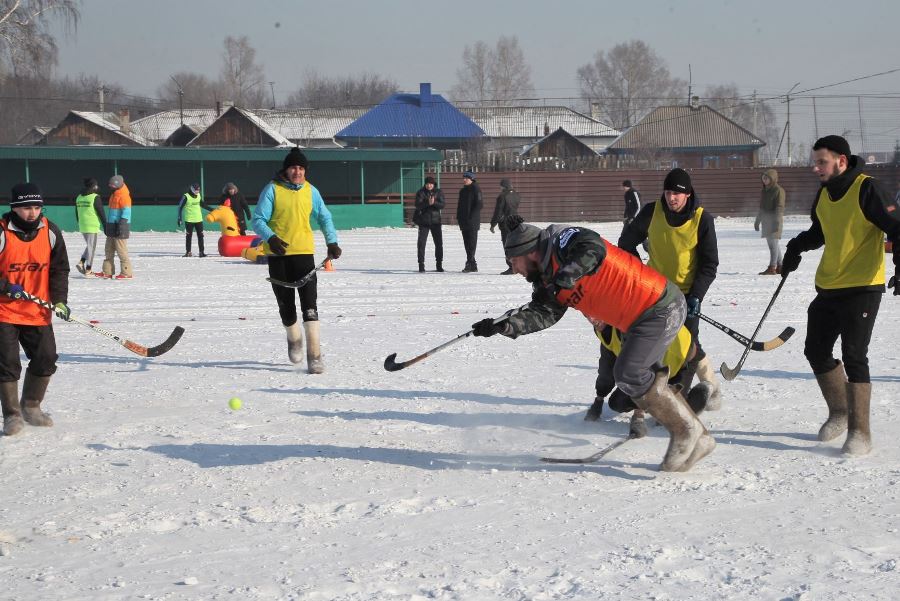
<point>522,237</point>
<point>116,182</point>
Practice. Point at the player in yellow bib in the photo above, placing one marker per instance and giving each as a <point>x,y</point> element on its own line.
<point>850,216</point>
<point>683,247</point>
<point>283,218</point>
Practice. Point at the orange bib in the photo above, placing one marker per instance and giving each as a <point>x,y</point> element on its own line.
<point>26,264</point>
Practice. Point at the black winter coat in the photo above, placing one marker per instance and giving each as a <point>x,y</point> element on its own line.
<point>238,205</point>
<point>468,211</point>
<point>428,214</point>
<point>507,204</point>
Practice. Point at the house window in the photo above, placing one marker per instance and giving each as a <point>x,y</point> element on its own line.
<point>711,162</point>
<point>735,160</point>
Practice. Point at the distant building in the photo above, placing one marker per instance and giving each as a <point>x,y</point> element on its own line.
<point>86,128</point>
<point>422,120</point>
<point>34,135</point>
<point>688,136</point>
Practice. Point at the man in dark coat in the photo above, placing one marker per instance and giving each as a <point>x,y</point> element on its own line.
<point>232,197</point>
<point>468,216</point>
<point>632,202</point>
<point>429,202</point>
<point>507,205</point>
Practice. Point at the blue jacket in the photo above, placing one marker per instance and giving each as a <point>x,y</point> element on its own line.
<point>263,211</point>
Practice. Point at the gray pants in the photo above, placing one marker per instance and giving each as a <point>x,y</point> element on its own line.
<point>645,343</point>
<point>90,247</point>
<point>774,251</point>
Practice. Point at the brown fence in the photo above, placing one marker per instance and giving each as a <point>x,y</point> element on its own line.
<point>565,197</point>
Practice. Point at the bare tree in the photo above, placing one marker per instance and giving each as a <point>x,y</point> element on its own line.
<point>628,81</point>
<point>510,74</point>
<point>199,90</point>
<point>496,74</point>
<point>26,45</point>
<point>317,90</point>
<point>755,116</point>
<point>473,78</point>
<point>242,78</point>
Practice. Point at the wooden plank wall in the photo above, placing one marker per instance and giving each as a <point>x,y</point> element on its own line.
<point>565,197</point>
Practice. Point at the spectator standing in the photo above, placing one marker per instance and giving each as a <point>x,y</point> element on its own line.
<point>468,216</point>
<point>507,205</point>
<point>232,197</point>
<point>118,230</point>
<point>429,202</point>
<point>770,219</point>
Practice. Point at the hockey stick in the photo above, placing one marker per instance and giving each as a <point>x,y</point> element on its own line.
<point>391,364</point>
<point>730,373</point>
<point>591,458</point>
<point>134,347</point>
<point>302,281</point>
<point>756,345</point>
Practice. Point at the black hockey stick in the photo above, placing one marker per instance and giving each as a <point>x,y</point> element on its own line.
<point>134,347</point>
<point>730,373</point>
<point>590,458</point>
<point>302,281</point>
<point>756,345</point>
<point>391,364</point>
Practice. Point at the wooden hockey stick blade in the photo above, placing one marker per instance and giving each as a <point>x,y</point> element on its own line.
<point>590,458</point>
<point>775,342</point>
<point>159,349</point>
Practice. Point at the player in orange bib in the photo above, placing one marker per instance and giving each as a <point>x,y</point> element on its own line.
<point>574,267</point>
<point>33,259</point>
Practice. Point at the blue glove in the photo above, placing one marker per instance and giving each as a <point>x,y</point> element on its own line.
<point>62,311</point>
<point>14,290</point>
<point>693,306</point>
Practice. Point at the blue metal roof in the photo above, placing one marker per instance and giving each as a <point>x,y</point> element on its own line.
<point>423,115</point>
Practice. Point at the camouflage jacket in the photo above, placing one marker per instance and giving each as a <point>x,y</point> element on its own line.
<point>578,252</point>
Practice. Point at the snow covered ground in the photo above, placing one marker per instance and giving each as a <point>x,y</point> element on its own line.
<point>424,483</point>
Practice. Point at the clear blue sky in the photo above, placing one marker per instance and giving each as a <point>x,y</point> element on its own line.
<point>764,45</point>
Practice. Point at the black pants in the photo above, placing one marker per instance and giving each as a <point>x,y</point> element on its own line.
<point>850,316</point>
<point>193,227</point>
<point>470,241</point>
<point>438,238</point>
<point>290,268</point>
<point>39,345</point>
<point>693,326</point>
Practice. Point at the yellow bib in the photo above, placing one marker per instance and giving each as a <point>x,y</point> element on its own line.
<point>854,246</point>
<point>673,250</point>
<point>675,357</point>
<point>290,219</point>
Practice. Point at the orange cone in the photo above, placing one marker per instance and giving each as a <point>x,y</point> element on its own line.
<point>328,265</point>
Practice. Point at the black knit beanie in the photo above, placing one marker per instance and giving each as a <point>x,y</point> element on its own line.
<point>295,158</point>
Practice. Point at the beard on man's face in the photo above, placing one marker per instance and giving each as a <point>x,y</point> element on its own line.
<point>534,274</point>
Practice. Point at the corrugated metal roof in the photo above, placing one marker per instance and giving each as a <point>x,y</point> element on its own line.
<point>308,124</point>
<point>212,153</point>
<point>159,126</point>
<point>671,127</point>
<point>264,126</point>
<point>559,132</point>
<point>529,121</point>
<point>407,116</point>
<point>110,121</point>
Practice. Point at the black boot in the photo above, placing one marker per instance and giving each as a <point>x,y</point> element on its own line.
<point>439,267</point>
<point>595,410</point>
<point>421,267</point>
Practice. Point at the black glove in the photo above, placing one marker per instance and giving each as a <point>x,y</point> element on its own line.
<point>334,251</point>
<point>487,327</point>
<point>790,262</point>
<point>756,225</point>
<point>545,294</point>
<point>894,283</point>
<point>278,246</point>
<point>693,306</point>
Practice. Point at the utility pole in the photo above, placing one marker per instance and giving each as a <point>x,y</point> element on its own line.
<point>815,118</point>
<point>690,84</point>
<point>180,99</point>
<point>754,112</point>
<point>788,123</point>
<point>862,131</point>
<point>272,87</point>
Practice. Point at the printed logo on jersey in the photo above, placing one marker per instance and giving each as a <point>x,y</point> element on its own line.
<point>566,236</point>
<point>30,266</point>
<point>576,296</point>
